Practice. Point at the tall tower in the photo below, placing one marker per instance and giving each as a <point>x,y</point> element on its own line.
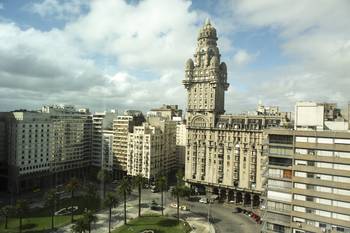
<point>205,80</point>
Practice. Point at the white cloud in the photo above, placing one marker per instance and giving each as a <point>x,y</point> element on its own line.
<point>149,45</point>
<point>62,9</point>
<point>140,36</point>
<point>315,36</point>
<point>242,57</point>
<point>58,66</point>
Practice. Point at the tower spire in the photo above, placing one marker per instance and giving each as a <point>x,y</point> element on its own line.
<point>207,22</point>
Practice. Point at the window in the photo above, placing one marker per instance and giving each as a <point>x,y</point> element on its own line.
<point>299,209</point>
<point>300,162</point>
<point>325,140</point>
<point>279,196</point>
<point>300,174</point>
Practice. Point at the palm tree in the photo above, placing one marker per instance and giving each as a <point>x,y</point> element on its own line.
<point>180,190</point>
<point>110,201</point>
<point>22,208</point>
<point>124,189</point>
<point>6,211</point>
<point>161,183</point>
<point>104,177</point>
<point>71,187</point>
<point>88,218</point>
<point>50,200</point>
<point>139,180</point>
<point>90,195</point>
<point>79,227</point>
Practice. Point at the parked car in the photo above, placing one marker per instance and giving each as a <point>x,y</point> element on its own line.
<point>155,206</point>
<point>154,189</point>
<point>184,207</point>
<point>203,200</point>
<point>174,205</point>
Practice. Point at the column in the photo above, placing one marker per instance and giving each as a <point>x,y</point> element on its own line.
<point>227,195</point>
<point>251,200</point>
<point>245,194</point>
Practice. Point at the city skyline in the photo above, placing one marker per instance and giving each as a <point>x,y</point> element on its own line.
<point>280,52</point>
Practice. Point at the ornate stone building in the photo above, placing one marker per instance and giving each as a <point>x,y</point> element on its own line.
<point>224,152</point>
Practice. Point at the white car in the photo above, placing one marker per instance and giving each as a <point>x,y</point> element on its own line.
<point>174,205</point>
<point>203,200</point>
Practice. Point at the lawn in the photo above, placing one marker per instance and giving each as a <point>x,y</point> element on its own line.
<point>35,224</point>
<point>158,224</point>
<point>39,219</point>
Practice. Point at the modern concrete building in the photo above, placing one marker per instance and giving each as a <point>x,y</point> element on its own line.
<point>152,148</point>
<point>224,152</point>
<point>45,148</point>
<point>3,156</point>
<point>102,133</point>
<point>181,142</point>
<point>107,157</point>
<point>308,178</point>
<point>122,126</point>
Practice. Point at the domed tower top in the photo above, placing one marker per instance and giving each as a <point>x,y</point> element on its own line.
<point>207,31</point>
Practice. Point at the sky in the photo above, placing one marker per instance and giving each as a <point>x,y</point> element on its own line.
<point>130,54</point>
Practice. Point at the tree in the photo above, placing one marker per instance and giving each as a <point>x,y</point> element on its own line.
<point>180,190</point>
<point>124,189</point>
<point>80,226</point>
<point>104,177</point>
<point>90,195</point>
<point>71,187</point>
<point>6,211</point>
<point>50,200</point>
<point>88,218</point>
<point>22,208</point>
<point>161,183</point>
<point>139,180</point>
<point>110,201</point>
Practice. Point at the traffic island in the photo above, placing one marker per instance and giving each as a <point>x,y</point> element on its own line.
<point>157,224</point>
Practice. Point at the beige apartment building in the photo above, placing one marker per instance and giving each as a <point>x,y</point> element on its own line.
<point>122,126</point>
<point>152,148</point>
<point>224,153</point>
<point>308,173</point>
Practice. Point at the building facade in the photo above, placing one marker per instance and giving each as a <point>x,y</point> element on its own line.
<point>45,147</point>
<point>181,142</point>
<point>224,152</point>
<point>102,132</point>
<point>308,178</point>
<point>122,126</point>
<point>308,185</point>
<point>152,148</point>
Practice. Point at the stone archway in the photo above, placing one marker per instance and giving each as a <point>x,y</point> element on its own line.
<point>247,198</point>
<point>256,200</point>
<point>239,198</point>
